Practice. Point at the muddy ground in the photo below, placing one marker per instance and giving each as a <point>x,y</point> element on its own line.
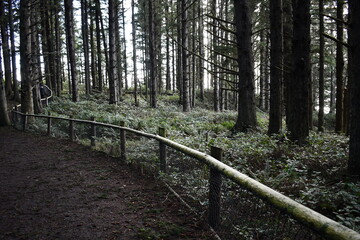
<point>57,189</point>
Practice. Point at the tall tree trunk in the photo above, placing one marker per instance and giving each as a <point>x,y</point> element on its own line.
<point>119,55</point>
<point>262,70</point>
<point>6,50</point>
<point>36,69</point>
<point>27,105</point>
<point>354,63</point>
<point>298,88</point>
<point>13,53</point>
<point>125,52</point>
<point>98,45</point>
<point>93,52</point>
<point>193,70</point>
<point>103,37</point>
<point>288,68</point>
<point>332,90</point>
<point>266,75</point>
<point>201,51</point>
<point>184,43</point>
<point>69,26</point>
<point>276,63</point>
<point>179,83</point>
<point>246,93</point>
<point>85,38</point>
<point>339,67</point>
<point>157,41</point>
<point>113,78</point>
<point>167,40</point>
<point>134,53</point>
<point>321,68</point>
<point>153,82</point>
<point>215,57</point>
<point>4,117</point>
<point>58,43</point>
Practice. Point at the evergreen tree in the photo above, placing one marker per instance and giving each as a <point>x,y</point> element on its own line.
<point>246,91</point>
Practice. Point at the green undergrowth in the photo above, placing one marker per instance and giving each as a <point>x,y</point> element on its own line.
<point>313,174</point>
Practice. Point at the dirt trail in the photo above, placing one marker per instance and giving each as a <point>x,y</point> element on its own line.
<point>56,189</point>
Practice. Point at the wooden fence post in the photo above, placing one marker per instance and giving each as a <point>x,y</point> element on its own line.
<point>93,132</point>
<point>71,129</point>
<point>162,146</point>
<point>122,141</point>
<point>24,120</point>
<point>16,114</point>
<point>49,124</point>
<point>13,117</point>
<point>215,191</point>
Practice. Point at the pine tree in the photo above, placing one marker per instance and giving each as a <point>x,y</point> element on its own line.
<point>246,91</point>
<point>276,63</point>
<point>354,58</point>
<point>298,87</point>
<point>69,27</point>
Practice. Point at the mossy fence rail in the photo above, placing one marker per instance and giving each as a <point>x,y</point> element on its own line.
<point>323,226</point>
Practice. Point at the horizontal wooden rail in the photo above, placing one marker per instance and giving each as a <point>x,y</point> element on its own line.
<point>314,220</point>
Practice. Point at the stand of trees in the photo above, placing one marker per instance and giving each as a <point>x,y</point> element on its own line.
<point>250,54</point>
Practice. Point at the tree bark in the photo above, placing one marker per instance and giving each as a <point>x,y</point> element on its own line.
<point>93,51</point>
<point>113,75</point>
<point>134,53</point>
<point>179,56</point>
<point>69,26</point>
<point>85,38</point>
<point>184,43</point>
<point>276,63</point>
<point>298,88</point>
<point>321,68</point>
<point>13,53</point>
<point>246,93</point>
<point>354,58</point>
<point>288,68</point>
<point>98,45</point>
<point>215,57</point>
<point>201,52</point>
<point>36,70</point>
<point>125,52</point>
<point>339,68</point>
<point>167,40</point>
<point>4,117</point>
<point>153,82</point>
<point>27,105</point>
<point>6,50</point>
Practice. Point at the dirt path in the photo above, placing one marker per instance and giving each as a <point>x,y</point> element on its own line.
<point>56,189</point>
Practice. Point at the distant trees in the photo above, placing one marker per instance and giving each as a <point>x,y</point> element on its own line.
<point>257,53</point>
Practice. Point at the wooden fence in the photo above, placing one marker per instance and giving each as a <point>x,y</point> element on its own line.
<point>324,226</point>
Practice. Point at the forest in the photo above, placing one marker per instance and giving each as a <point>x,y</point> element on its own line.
<point>274,83</point>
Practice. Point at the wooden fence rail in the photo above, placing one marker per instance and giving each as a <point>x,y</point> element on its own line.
<point>314,220</point>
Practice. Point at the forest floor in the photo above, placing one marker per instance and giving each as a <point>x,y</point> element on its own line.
<point>57,189</point>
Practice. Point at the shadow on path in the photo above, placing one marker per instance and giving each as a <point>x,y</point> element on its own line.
<point>57,189</point>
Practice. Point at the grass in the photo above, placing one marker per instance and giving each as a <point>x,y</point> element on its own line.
<point>313,174</point>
